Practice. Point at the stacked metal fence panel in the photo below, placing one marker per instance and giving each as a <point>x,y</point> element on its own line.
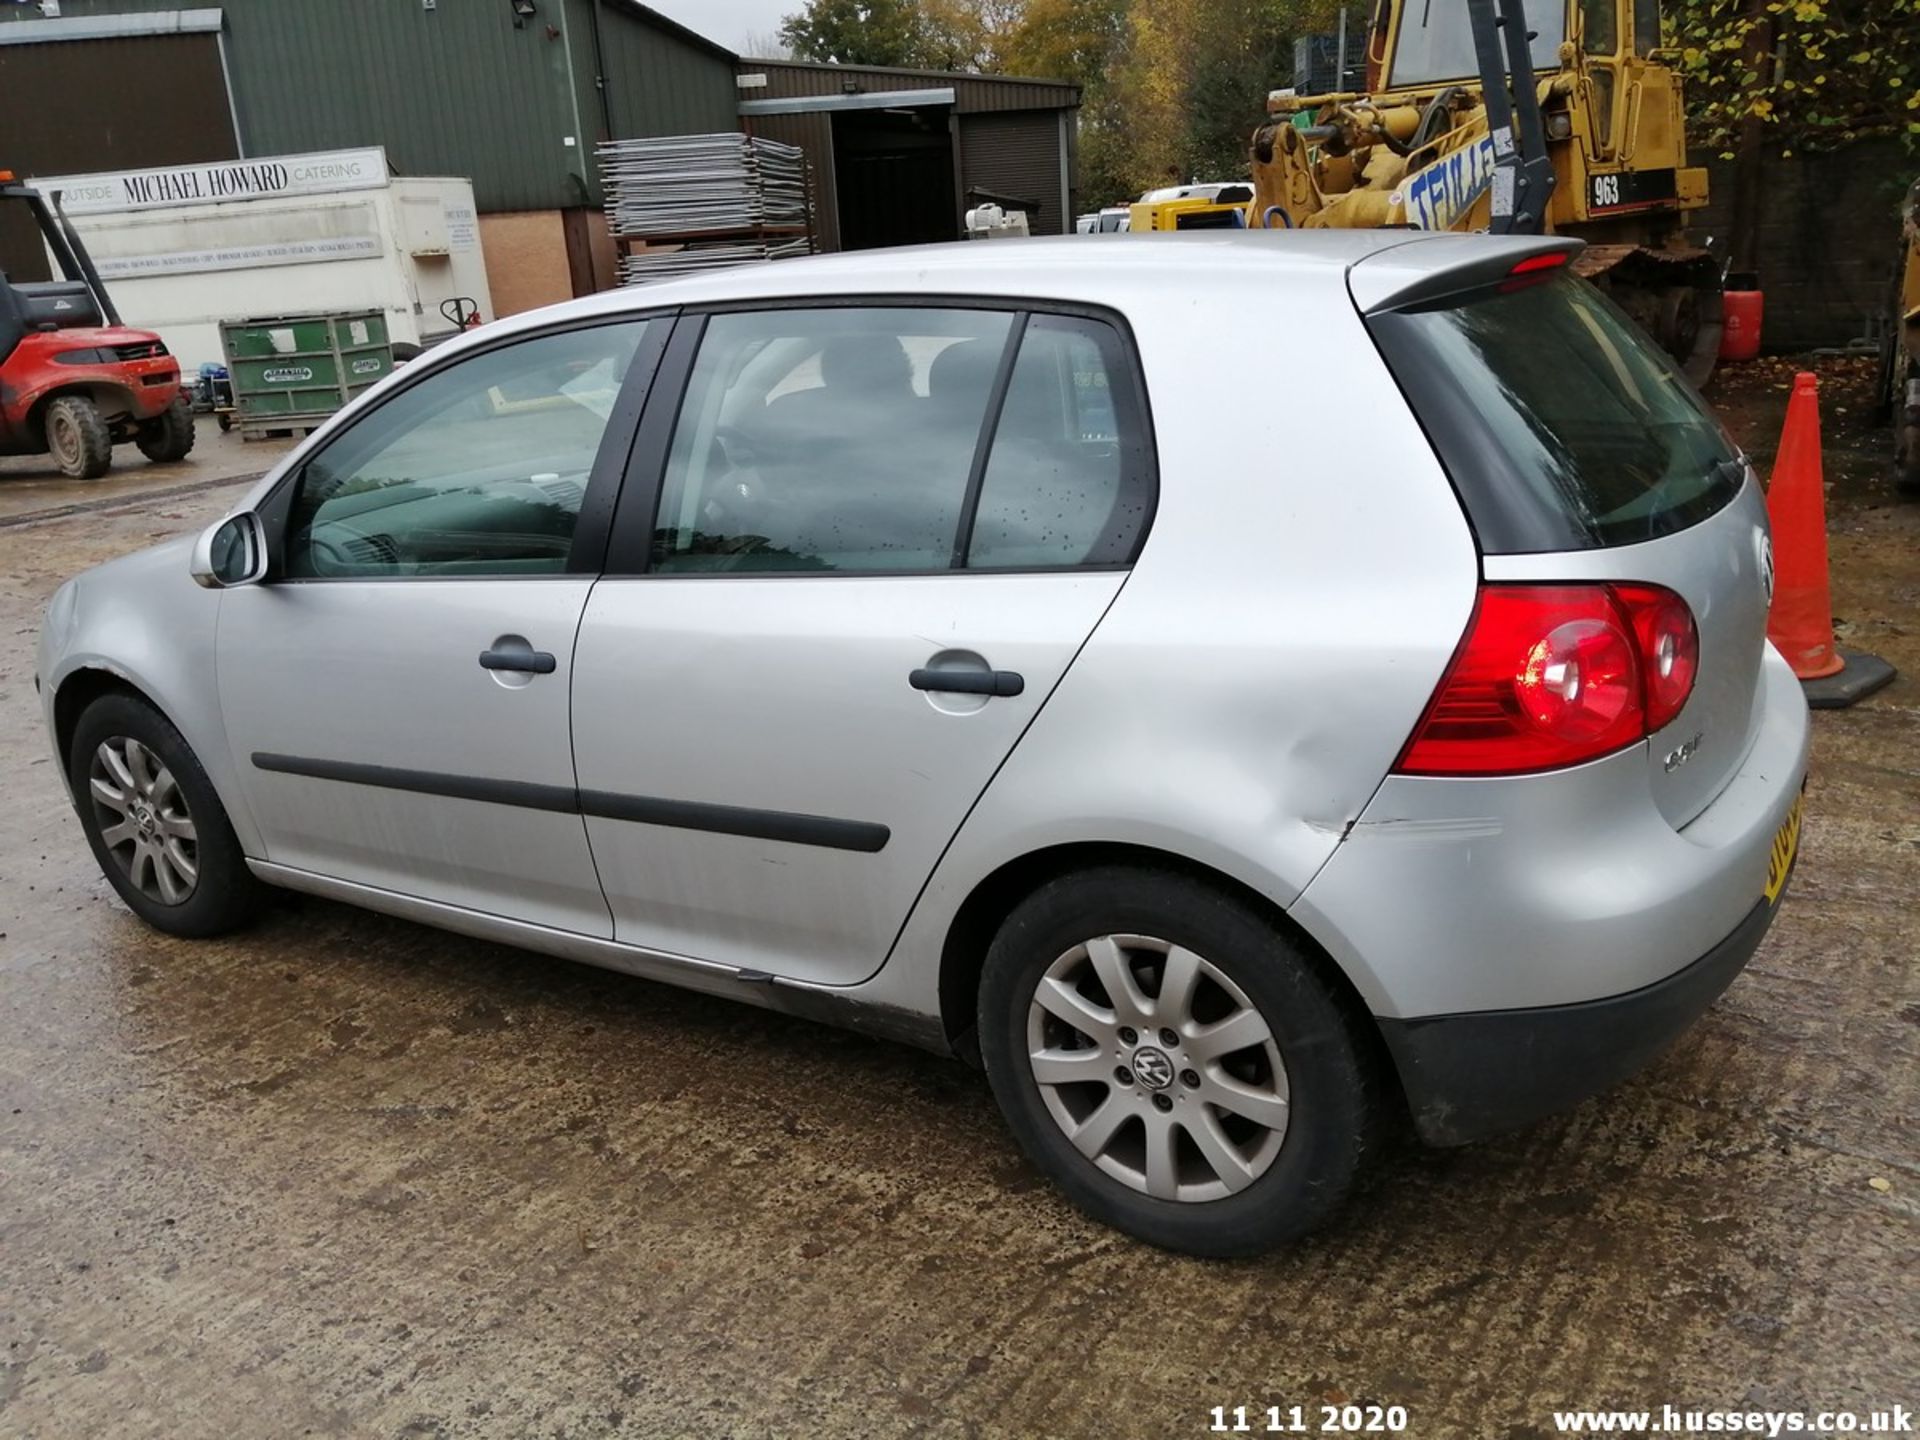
<point>671,264</point>
<point>704,202</point>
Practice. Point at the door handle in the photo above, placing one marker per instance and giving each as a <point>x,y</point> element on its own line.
<point>533,662</point>
<point>969,682</point>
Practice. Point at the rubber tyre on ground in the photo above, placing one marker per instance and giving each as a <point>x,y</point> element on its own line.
<point>405,350</point>
<point>78,438</point>
<point>1906,460</point>
<point>225,894</point>
<point>1332,1107</point>
<point>226,422</point>
<point>1906,479</point>
<point>169,435</point>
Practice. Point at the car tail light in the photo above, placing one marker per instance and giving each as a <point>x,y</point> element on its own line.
<point>1553,675</point>
<point>1669,648</point>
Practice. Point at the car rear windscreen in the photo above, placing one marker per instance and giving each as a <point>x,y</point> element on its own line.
<point>1561,424</point>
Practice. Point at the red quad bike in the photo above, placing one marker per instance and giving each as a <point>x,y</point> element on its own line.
<point>74,381</point>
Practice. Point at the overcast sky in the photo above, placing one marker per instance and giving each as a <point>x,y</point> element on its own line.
<point>729,21</point>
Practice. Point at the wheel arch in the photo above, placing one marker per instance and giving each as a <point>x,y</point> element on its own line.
<point>978,918</point>
<point>81,688</point>
<point>112,399</point>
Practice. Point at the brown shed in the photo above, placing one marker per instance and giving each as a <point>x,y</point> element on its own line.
<point>132,90</point>
<point>900,155</point>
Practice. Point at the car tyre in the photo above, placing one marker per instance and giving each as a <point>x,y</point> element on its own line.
<point>78,438</point>
<point>1276,1177</point>
<point>1906,462</point>
<point>155,822</point>
<point>169,435</point>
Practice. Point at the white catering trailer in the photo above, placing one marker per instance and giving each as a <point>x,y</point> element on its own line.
<point>187,246</point>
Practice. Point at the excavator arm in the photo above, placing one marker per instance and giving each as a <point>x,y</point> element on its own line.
<point>1522,173</point>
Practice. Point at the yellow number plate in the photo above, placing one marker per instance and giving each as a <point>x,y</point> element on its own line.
<point>1786,841</point>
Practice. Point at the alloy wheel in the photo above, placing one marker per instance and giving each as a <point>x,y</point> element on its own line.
<point>144,821</point>
<point>1158,1068</point>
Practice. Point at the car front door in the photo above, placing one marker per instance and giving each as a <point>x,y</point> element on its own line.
<point>396,692</point>
<point>859,546</point>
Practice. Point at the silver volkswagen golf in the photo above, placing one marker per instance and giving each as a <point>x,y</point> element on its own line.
<point>891,639</point>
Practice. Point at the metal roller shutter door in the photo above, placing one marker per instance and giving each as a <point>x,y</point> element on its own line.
<point>1017,153</point>
<point>71,107</point>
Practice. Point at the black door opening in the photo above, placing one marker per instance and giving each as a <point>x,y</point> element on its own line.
<point>893,174</point>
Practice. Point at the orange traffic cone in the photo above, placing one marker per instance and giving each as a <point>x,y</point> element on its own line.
<point>1801,622</point>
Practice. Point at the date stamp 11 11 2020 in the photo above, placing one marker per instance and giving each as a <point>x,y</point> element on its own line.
<point>1347,1419</point>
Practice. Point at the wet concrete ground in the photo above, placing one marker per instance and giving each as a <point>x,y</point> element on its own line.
<point>30,485</point>
<point>347,1176</point>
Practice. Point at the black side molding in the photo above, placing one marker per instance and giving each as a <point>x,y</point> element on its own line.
<point>969,682</point>
<point>522,793</point>
<point>819,830</point>
<point>822,831</point>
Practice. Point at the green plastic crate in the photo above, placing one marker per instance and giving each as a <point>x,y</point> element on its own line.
<point>292,371</point>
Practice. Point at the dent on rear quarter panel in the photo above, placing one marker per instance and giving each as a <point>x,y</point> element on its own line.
<point>1307,578</point>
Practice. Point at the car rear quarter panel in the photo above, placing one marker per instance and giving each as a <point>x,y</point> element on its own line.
<point>1455,894</point>
<point>1305,581</point>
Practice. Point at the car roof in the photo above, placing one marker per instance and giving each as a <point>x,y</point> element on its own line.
<point>1140,268</point>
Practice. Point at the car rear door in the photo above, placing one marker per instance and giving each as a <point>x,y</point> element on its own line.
<point>396,692</point>
<point>859,546</point>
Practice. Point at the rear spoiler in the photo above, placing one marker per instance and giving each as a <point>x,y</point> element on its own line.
<point>1432,267</point>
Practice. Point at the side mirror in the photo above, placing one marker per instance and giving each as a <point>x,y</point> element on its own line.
<point>232,552</point>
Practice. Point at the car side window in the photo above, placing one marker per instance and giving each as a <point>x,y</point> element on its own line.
<point>828,440</point>
<point>1069,480</point>
<point>479,469</point>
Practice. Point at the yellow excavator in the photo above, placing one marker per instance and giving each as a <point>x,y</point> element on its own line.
<point>1900,353</point>
<point>1473,119</point>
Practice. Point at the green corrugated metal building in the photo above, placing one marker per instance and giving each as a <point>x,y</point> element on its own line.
<point>511,94</point>
<point>451,87</point>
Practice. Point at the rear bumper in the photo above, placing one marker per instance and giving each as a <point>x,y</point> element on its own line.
<point>1471,896</point>
<point>1470,1076</point>
<point>152,388</point>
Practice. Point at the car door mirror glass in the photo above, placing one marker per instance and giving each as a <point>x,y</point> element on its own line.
<point>232,552</point>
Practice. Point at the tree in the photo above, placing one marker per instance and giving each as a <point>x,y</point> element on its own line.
<point>1084,41</point>
<point>766,45</point>
<point>1799,74</point>
<point>966,34</point>
<point>1196,79</point>
<point>925,34</point>
<point>856,32</point>
<point>1794,75</point>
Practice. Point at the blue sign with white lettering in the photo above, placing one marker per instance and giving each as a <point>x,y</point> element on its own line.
<point>1440,194</point>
